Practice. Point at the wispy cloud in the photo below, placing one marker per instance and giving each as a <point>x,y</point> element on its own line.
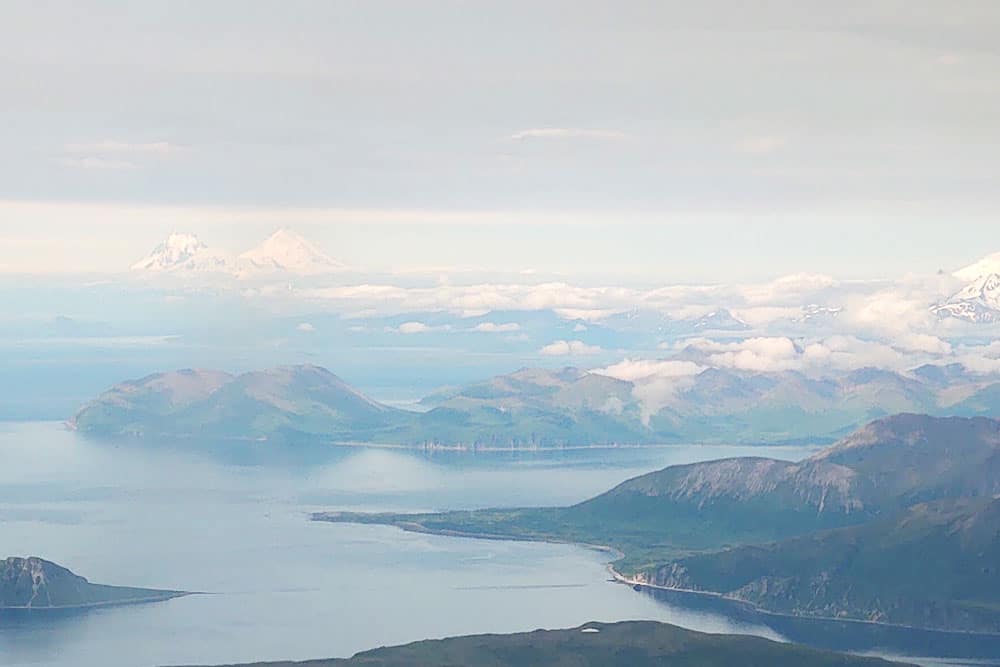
<point>107,147</point>
<point>562,348</point>
<point>96,163</point>
<point>493,327</point>
<point>416,328</point>
<point>949,59</point>
<point>762,145</point>
<point>567,133</point>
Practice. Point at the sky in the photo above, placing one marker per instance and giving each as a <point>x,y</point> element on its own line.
<point>659,141</point>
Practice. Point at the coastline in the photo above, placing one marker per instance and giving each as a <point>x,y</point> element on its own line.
<point>69,425</point>
<point>169,595</point>
<point>619,578</point>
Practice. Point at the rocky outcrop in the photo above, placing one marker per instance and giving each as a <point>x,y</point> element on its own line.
<point>35,583</point>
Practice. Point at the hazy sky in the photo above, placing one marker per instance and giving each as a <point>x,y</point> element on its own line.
<point>671,140</point>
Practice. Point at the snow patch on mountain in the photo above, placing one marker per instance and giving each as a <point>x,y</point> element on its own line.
<point>977,302</point>
<point>984,267</point>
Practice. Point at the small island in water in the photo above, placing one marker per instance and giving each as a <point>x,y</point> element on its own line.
<point>36,584</point>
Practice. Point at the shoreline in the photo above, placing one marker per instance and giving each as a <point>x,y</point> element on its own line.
<point>413,527</point>
<point>565,448</point>
<point>622,579</point>
<point>68,425</point>
<point>619,578</point>
<point>172,595</point>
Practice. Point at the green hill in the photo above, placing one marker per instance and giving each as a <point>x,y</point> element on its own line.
<point>627,644</point>
<point>936,565</point>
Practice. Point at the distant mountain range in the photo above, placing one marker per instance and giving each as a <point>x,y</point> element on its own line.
<point>282,252</point>
<point>532,408</point>
<point>898,523</point>
<point>34,583</point>
<point>624,644</point>
<point>286,254</point>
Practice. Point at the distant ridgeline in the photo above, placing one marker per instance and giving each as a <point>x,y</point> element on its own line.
<point>34,583</point>
<point>626,644</point>
<point>532,407</point>
<point>898,523</point>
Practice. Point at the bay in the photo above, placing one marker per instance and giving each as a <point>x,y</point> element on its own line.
<point>277,586</point>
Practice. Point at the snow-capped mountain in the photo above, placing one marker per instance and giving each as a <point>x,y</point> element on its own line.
<point>978,302</point>
<point>720,320</point>
<point>287,251</point>
<point>283,252</point>
<point>814,312</point>
<point>184,253</point>
<point>984,267</point>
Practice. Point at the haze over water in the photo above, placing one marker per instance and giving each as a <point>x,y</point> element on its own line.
<point>282,587</point>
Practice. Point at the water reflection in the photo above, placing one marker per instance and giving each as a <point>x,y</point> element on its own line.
<point>196,518</point>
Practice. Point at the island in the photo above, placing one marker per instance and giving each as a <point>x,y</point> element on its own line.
<point>35,584</point>
<point>624,644</point>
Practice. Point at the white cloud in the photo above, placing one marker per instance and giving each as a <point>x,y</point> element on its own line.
<point>493,327</point>
<point>792,290</point>
<point>897,309</point>
<point>762,145</point>
<point>949,59</point>
<point>96,163</point>
<point>411,328</point>
<point>755,354</point>
<point>305,327</point>
<point>567,133</point>
<point>820,355</point>
<point>106,147</point>
<point>579,327</point>
<point>570,301</point>
<point>414,327</point>
<point>562,348</point>
<point>637,369</point>
<point>918,342</point>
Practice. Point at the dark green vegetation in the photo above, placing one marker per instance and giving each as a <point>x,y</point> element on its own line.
<point>842,530</point>
<point>627,644</point>
<point>532,407</point>
<point>33,583</point>
<point>935,565</point>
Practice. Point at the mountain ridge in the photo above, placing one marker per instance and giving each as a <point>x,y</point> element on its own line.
<point>867,529</point>
<point>283,252</point>
<point>529,408</point>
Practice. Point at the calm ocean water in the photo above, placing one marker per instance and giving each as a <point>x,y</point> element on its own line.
<point>281,587</point>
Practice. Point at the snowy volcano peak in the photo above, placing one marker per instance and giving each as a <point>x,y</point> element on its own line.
<point>986,288</point>
<point>287,251</point>
<point>183,252</point>
<point>979,301</point>
<point>984,267</point>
